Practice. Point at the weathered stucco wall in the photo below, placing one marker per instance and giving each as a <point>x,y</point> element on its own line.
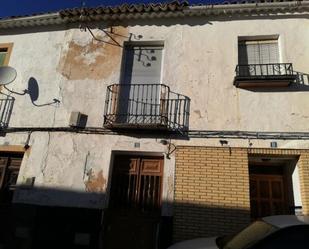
<point>199,61</point>
<point>73,170</point>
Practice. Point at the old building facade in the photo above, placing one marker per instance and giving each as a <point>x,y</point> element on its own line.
<point>132,122</point>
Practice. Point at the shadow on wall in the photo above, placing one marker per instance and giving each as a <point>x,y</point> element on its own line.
<point>6,108</point>
<point>301,84</point>
<point>33,91</point>
<point>46,226</point>
<point>192,220</point>
<point>38,226</point>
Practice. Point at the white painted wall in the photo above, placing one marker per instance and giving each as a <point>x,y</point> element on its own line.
<point>200,57</point>
<point>296,188</point>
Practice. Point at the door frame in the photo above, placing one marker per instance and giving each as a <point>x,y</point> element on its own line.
<point>136,154</point>
<point>108,208</point>
<point>114,154</point>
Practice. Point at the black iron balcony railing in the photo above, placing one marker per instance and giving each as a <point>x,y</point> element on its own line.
<point>6,107</point>
<point>273,69</point>
<point>279,72</point>
<point>146,106</point>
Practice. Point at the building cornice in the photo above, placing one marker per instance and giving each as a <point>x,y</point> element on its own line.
<point>31,21</point>
<point>153,11</point>
<point>275,8</point>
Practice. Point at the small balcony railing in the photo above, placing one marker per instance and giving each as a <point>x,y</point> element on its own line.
<point>146,106</point>
<point>6,107</point>
<point>281,74</point>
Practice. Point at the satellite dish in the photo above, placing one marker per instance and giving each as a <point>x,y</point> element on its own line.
<point>7,75</point>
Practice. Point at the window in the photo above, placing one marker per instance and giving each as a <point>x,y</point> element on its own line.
<point>260,57</point>
<point>259,64</point>
<point>5,52</point>
<point>9,169</point>
<point>258,52</point>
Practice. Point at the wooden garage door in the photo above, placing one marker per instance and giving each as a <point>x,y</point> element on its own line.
<point>135,203</point>
<point>267,195</point>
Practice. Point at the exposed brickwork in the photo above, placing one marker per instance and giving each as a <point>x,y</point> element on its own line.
<point>303,168</point>
<point>212,191</point>
<point>212,188</point>
<point>279,152</point>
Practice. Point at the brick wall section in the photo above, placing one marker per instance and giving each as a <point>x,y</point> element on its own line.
<point>212,188</point>
<point>211,191</point>
<point>303,168</point>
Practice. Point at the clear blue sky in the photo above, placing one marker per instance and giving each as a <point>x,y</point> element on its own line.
<point>25,7</point>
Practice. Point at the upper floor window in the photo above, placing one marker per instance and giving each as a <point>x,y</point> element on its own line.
<point>258,52</point>
<point>5,52</point>
<point>259,64</point>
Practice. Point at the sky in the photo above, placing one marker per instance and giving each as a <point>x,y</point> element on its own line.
<point>28,7</point>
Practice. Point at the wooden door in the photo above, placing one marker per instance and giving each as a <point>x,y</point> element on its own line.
<point>135,203</point>
<point>267,195</point>
<point>9,169</point>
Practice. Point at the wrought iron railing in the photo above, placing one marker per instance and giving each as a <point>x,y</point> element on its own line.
<point>6,107</point>
<point>265,70</point>
<point>146,106</point>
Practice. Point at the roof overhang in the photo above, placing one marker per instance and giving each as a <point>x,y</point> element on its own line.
<point>142,12</point>
<point>30,21</point>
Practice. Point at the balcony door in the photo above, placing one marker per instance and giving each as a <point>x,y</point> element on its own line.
<point>139,93</point>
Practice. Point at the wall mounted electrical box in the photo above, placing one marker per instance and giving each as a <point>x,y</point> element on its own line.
<point>78,119</point>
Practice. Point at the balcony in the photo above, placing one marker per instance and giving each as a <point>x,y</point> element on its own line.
<point>264,75</point>
<point>6,107</point>
<point>146,106</point>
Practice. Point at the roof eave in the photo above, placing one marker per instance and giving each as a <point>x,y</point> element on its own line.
<point>250,8</point>
<point>204,10</point>
<point>29,21</point>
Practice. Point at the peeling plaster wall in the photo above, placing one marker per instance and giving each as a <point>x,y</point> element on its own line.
<point>199,60</point>
<point>74,170</point>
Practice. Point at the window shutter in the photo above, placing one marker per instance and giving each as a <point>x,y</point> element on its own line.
<point>269,53</point>
<point>3,164</point>
<point>143,65</point>
<point>253,53</point>
<point>248,53</point>
<point>2,58</point>
<point>12,172</point>
<point>258,52</point>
